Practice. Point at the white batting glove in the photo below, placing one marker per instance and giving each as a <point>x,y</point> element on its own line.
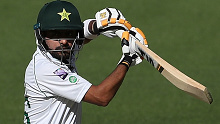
<point>138,35</point>
<point>135,34</point>
<point>109,20</point>
<point>129,57</point>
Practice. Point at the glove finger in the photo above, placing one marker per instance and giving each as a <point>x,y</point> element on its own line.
<point>114,15</point>
<point>102,18</point>
<point>139,35</point>
<point>134,56</point>
<point>117,17</point>
<point>142,34</point>
<point>137,61</point>
<point>111,16</point>
<point>125,43</point>
<point>108,15</point>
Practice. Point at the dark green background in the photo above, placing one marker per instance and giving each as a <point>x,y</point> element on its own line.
<point>184,33</point>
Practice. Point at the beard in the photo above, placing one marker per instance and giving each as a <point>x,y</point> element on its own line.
<point>62,56</point>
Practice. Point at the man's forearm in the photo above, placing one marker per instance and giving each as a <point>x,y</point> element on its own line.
<point>104,92</point>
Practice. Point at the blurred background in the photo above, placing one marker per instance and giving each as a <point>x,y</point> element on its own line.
<point>184,33</point>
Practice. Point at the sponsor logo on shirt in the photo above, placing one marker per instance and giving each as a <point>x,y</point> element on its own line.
<point>61,73</point>
<point>72,79</point>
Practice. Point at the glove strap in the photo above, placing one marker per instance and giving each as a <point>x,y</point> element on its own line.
<point>127,60</point>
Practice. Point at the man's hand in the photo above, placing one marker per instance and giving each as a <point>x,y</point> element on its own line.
<point>109,20</point>
<point>138,35</point>
<point>130,56</point>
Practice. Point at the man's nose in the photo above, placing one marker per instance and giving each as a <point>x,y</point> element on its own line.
<point>63,41</point>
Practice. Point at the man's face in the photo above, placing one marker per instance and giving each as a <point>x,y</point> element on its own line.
<point>59,40</point>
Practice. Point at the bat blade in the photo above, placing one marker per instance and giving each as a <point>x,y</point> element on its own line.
<point>176,77</point>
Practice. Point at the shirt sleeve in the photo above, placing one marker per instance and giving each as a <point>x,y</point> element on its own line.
<point>56,81</point>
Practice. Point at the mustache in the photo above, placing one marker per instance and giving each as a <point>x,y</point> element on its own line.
<point>62,47</point>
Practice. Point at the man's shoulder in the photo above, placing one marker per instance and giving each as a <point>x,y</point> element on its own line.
<point>44,65</point>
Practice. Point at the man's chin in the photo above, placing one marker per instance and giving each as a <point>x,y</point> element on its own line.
<point>59,56</point>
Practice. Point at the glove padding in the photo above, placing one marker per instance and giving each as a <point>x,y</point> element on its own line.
<point>129,57</point>
<point>109,20</point>
<point>138,35</point>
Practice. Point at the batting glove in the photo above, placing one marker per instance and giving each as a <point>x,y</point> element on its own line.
<point>138,35</point>
<point>135,34</point>
<point>129,57</point>
<point>109,20</point>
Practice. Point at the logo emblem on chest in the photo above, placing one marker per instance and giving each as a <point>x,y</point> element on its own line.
<point>61,73</point>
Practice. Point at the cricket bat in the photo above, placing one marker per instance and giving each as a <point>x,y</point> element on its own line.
<point>176,77</point>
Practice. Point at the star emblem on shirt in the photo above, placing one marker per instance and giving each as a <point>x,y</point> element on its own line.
<point>64,15</point>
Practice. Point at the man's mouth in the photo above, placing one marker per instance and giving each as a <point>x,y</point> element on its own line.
<point>63,48</point>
